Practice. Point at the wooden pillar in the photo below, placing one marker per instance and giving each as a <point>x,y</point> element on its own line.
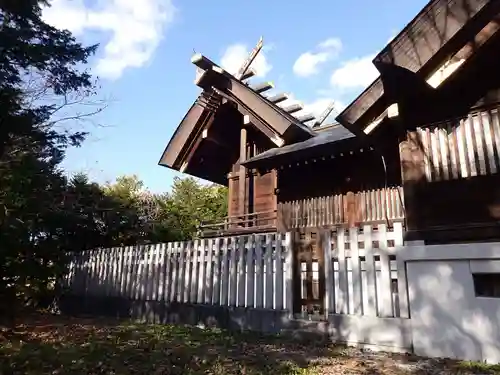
<point>242,172</point>
<point>412,176</point>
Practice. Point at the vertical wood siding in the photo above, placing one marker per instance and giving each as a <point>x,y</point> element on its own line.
<point>462,148</point>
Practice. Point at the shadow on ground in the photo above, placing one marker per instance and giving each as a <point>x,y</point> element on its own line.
<point>47,344</point>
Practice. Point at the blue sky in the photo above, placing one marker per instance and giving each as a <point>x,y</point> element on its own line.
<point>317,50</point>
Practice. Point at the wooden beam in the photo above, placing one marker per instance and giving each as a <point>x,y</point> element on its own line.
<point>306,118</point>
<point>207,122</point>
<point>201,61</point>
<point>183,167</point>
<point>248,74</point>
<point>293,108</point>
<point>242,171</point>
<point>262,87</point>
<point>278,98</point>
<point>205,135</point>
<point>275,138</point>
<point>281,122</point>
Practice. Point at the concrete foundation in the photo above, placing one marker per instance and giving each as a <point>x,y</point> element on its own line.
<point>389,334</point>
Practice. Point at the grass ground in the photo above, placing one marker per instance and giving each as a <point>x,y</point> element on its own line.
<point>46,344</point>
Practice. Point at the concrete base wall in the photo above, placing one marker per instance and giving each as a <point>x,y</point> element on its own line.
<point>447,318</point>
<point>388,334</point>
<point>233,318</point>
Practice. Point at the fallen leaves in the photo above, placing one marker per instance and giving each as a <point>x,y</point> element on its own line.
<point>65,346</point>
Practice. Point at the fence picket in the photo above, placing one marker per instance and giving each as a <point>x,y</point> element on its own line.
<point>154,272</point>
<point>357,285</point>
<point>241,272</point>
<point>148,269</point>
<point>278,276</point>
<point>168,272</point>
<point>188,249</point>
<point>370,273</point>
<point>329,273</point>
<point>401,274</point>
<point>162,271</point>
<point>385,273</point>
<point>194,273</point>
<point>174,264</point>
<point>208,273</point>
<point>216,280</point>
<point>224,295</point>
<point>108,279</point>
<point>232,273</point>
<point>343,289</point>
<point>259,274</point>
<point>250,273</point>
<point>201,271</point>
<point>288,274</point>
<point>268,271</point>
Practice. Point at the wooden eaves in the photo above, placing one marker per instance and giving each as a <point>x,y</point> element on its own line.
<point>329,140</point>
<point>440,29</point>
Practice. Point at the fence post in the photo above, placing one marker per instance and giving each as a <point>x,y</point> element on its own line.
<point>208,281</point>
<point>268,271</point>
<point>329,290</point>
<point>401,271</point>
<point>385,273</point>
<point>224,274</point>
<point>259,272</point>
<point>278,276</point>
<point>216,280</point>
<point>201,271</point>
<point>357,285</point>
<point>250,272</point>
<point>343,296</point>
<point>289,273</point>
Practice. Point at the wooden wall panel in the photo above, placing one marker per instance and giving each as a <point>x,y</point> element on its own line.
<point>264,192</point>
<point>352,209</point>
<point>462,148</point>
<point>264,196</point>
<point>451,179</point>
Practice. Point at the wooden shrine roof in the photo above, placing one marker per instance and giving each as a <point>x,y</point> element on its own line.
<point>206,142</point>
<point>328,136</point>
<point>438,31</point>
<point>241,102</point>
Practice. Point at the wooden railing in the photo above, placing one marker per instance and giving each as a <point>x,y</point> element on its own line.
<point>251,222</point>
<point>368,206</point>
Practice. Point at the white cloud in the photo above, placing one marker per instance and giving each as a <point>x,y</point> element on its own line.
<point>135,28</point>
<point>308,63</point>
<point>236,54</point>
<point>358,72</point>
<point>332,43</point>
<point>68,15</point>
<point>318,106</point>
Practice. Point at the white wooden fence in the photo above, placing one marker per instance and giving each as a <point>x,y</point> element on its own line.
<point>363,276</point>
<point>247,271</point>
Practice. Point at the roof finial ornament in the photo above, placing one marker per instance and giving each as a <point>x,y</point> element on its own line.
<point>321,119</point>
<point>251,57</point>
